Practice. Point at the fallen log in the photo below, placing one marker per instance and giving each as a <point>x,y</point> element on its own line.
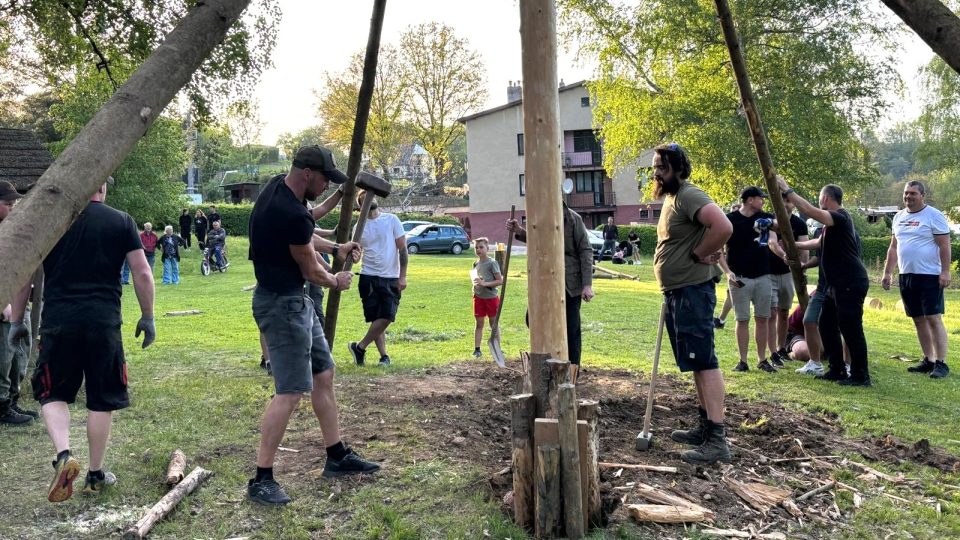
<point>178,463</point>
<point>663,513</point>
<point>614,273</point>
<point>653,468</point>
<point>182,313</point>
<point>167,504</point>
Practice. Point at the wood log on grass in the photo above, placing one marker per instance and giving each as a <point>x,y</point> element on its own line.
<point>570,461</point>
<point>166,504</point>
<point>548,507</point>
<point>176,467</point>
<point>588,417</point>
<point>664,513</point>
<point>522,408</point>
<point>182,313</point>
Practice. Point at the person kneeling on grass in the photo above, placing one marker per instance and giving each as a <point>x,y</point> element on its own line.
<point>486,278</point>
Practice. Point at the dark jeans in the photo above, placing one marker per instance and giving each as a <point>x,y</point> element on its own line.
<point>185,234</point>
<point>201,236</point>
<point>842,314</point>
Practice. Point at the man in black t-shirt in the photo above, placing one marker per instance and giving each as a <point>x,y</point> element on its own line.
<point>213,215</point>
<point>846,285</point>
<point>80,334</point>
<point>783,290</point>
<point>746,264</point>
<point>284,254</point>
<point>610,233</point>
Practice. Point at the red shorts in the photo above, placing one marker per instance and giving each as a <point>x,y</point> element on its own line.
<point>485,307</point>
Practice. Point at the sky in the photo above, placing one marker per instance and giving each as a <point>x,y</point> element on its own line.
<point>320,36</point>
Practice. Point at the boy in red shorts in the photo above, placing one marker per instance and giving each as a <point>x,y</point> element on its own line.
<point>486,278</point>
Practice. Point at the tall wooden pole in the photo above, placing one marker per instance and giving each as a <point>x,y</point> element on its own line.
<point>760,143</point>
<point>64,190</point>
<point>542,136</point>
<point>356,155</point>
<point>934,23</point>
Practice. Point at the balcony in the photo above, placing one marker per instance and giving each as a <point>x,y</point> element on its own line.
<point>590,199</point>
<point>580,160</point>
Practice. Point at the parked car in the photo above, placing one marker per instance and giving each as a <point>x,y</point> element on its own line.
<point>409,225</point>
<point>437,238</point>
<point>596,242</point>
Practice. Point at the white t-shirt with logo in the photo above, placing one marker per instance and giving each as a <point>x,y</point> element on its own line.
<point>917,251</point>
<point>379,243</point>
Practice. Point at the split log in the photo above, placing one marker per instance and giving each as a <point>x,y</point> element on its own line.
<point>182,313</point>
<point>64,189</point>
<point>934,23</point>
<point>559,373</point>
<point>733,533</point>
<point>659,496</point>
<point>548,507</point>
<point>546,431</point>
<point>521,421</point>
<point>654,468</point>
<point>760,496</point>
<point>588,415</point>
<point>573,515</point>
<point>176,467</point>
<point>167,504</point>
<point>664,513</point>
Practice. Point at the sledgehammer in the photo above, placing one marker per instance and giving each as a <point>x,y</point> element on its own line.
<point>645,438</point>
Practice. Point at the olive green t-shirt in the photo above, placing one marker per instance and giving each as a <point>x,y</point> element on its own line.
<point>487,269</point>
<point>678,233</point>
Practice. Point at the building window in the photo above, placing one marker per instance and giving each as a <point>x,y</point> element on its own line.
<point>523,186</point>
<point>585,102</point>
<point>656,214</point>
<point>644,214</point>
<point>585,140</point>
<point>519,144</point>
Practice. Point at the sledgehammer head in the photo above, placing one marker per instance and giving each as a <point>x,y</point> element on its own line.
<point>374,184</point>
<point>644,441</point>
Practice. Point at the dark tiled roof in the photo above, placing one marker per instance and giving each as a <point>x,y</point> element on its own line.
<point>22,158</point>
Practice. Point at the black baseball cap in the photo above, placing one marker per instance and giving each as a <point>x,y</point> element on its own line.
<point>318,158</point>
<point>8,192</point>
<point>752,191</point>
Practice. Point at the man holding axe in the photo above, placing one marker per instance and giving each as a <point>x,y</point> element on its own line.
<point>284,255</point>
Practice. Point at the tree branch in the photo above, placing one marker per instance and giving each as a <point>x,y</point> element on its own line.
<point>103,64</point>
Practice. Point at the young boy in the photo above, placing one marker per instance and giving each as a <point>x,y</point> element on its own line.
<point>486,278</point>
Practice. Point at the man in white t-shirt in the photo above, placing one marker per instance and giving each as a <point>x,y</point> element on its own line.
<point>383,276</point>
<point>920,248</point>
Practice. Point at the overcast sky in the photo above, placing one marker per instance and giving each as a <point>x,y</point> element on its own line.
<point>320,36</point>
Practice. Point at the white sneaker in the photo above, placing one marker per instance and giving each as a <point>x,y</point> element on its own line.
<point>811,368</point>
<point>848,370</point>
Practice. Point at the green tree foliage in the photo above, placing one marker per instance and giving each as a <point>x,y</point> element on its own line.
<point>148,184</point>
<point>664,75</point>
<point>289,143</point>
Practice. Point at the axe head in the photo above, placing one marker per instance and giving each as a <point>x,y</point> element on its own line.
<point>374,184</point>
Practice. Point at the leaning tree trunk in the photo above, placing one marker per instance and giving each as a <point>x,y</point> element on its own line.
<point>934,23</point>
<point>65,188</point>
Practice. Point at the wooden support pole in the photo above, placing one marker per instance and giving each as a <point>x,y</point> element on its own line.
<point>548,507</point>
<point>176,467</point>
<point>539,376</point>
<point>588,413</point>
<point>522,408</point>
<point>934,23</point>
<point>166,504</point>
<point>543,173</point>
<point>570,460</point>
<point>559,373</point>
<point>763,150</point>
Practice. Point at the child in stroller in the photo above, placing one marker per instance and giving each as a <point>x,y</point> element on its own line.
<point>623,252</point>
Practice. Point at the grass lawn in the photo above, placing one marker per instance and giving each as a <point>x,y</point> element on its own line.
<point>199,388</point>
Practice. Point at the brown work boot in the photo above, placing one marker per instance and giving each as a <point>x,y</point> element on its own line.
<point>713,449</point>
<point>695,436</point>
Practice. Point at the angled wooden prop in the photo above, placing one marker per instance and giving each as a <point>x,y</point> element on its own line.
<point>934,23</point>
<point>760,144</point>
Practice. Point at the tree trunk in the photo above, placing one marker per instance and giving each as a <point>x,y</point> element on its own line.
<point>762,148</point>
<point>934,23</point>
<point>541,126</point>
<point>65,188</point>
<point>356,155</point>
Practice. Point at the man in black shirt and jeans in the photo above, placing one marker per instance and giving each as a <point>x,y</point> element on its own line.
<point>846,284</point>
<point>284,255</point>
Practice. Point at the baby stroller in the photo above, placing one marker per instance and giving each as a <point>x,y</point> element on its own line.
<point>218,261</point>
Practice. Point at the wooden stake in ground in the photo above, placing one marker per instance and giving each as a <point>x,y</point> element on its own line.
<point>176,467</point>
<point>521,415</point>
<point>166,504</point>
<point>548,491</point>
<point>570,461</point>
<point>934,23</point>
<point>559,373</point>
<point>588,412</point>
<point>763,150</point>
<point>65,188</point>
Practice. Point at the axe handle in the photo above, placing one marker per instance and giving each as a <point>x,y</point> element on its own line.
<point>358,232</point>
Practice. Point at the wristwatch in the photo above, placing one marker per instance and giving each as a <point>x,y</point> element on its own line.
<point>788,192</point>
<point>336,248</point>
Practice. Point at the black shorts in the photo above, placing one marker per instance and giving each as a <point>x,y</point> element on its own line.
<point>689,323</point>
<point>921,294</point>
<point>793,339</point>
<point>380,297</point>
<point>72,354</point>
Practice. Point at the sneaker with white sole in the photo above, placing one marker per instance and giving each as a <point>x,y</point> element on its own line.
<point>811,368</point>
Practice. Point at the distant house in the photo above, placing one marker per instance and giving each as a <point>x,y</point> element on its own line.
<point>495,156</point>
<point>23,159</point>
<point>238,188</point>
<point>414,163</point>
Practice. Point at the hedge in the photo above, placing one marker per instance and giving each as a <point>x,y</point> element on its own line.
<point>235,218</point>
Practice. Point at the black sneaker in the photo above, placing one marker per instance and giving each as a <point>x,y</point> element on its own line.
<point>832,376</point>
<point>263,362</point>
<point>351,463</point>
<point>357,352</point>
<point>16,408</point>
<point>718,323</point>
<point>925,366</point>
<point>940,370</point>
<point>850,381</point>
<point>14,418</point>
<point>95,484</point>
<point>766,366</point>
<point>384,360</point>
<point>741,366</point>
<point>776,361</point>
<point>783,354</point>
<point>267,491</point>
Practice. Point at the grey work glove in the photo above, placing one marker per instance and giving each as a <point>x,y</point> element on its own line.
<point>145,325</point>
<point>17,334</point>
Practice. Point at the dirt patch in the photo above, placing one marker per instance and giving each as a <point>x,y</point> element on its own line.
<point>461,413</point>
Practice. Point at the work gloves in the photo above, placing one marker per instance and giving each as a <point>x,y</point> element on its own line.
<point>145,325</point>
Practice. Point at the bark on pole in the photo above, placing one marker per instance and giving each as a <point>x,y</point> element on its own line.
<point>356,154</point>
<point>588,411</point>
<point>541,127</point>
<point>548,508</point>
<point>760,144</point>
<point>65,188</point>
<point>570,461</point>
<point>935,23</point>
<point>522,408</point>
